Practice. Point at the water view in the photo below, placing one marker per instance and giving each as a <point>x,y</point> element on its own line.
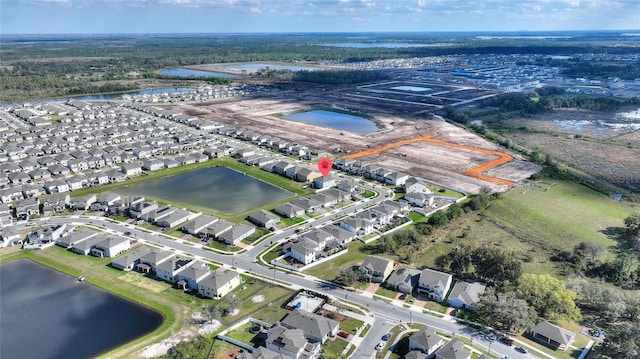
<point>335,120</point>
<point>253,67</point>
<point>195,73</point>
<point>411,88</point>
<point>219,189</point>
<point>48,314</point>
<point>387,45</point>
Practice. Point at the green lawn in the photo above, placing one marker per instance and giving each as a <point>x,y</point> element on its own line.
<point>329,269</point>
<point>368,194</point>
<point>535,225</point>
<point>349,324</point>
<point>333,347</point>
<point>387,293</point>
<point>272,254</point>
<point>416,217</point>
<point>243,334</point>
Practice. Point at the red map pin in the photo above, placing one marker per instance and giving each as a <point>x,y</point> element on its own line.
<point>324,165</point>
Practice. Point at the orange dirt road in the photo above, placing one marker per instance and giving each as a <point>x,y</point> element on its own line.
<point>473,172</point>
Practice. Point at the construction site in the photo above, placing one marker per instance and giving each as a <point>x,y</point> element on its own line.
<point>410,138</point>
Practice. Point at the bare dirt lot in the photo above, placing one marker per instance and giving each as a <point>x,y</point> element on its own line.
<point>431,161</point>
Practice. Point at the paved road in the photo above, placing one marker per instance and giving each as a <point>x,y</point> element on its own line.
<point>386,315</point>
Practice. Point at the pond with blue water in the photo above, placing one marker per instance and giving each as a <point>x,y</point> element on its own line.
<point>335,120</point>
<point>195,73</point>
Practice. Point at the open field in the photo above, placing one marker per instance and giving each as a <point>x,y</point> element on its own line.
<point>535,225</point>
<point>433,160</point>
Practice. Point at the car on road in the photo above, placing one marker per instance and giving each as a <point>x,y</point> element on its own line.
<point>386,337</point>
<point>506,340</point>
<point>380,346</point>
<point>521,350</point>
<point>127,233</point>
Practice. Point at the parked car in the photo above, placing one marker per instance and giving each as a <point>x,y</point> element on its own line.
<point>403,296</point>
<point>521,350</point>
<point>386,337</point>
<point>380,346</point>
<point>343,334</point>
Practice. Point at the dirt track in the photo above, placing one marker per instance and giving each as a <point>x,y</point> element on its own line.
<point>451,156</point>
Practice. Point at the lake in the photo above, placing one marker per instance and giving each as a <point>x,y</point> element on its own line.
<point>411,88</point>
<point>196,73</point>
<point>387,45</point>
<point>48,314</point>
<point>219,189</point>
<point>335,120</point>
<point>253,67</point>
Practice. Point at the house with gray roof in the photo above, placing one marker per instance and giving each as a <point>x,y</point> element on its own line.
<point>175,218</point>
<point>236,234</point>
<point>219,283</point>
<point>262,218</point>
<point>316,328</point>
<point>289,210</point>
<point>375,269</point>
<point>169,269</point>
<point>466,294</point>
<point>55,203</point>
<point>83,202</point>
<point>425,340</point>
<point>131,259</point>
<point>217,228</point>
<point>27,207</point>
<point>454,349</point>
<point>84,247</point>
<point>291,342</point>
<point>111,246</point>
<point>262,353</point>
<point>341,235</point>
<point>190,276</point>
<point>302,251</point>
<point>151,260</point>
<point>434,284</point>
<point>403,279</point>
<point>199,224</point>
<point>309,205</point>
<point>552,335</point>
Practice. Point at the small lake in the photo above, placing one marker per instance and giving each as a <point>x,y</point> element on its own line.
<point>219,189</point>
<point>196,73</point>
<point>335,120</point>
<point>387,45</point>
<point>254,67</point>
<point>48,314</point>
<point>411,88</point>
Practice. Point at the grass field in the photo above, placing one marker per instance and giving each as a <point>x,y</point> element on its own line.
<point>535,225</point>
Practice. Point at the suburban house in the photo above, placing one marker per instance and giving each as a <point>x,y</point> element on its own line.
<point>302,251</point>
<point>71,239</point>
<point>199,224</point>
<point>56,186</point>
<point>142,210</point>
<point>131,259</point>
<point>190,276</point>
<point>362,223</point>
<point>5,215</point>
<point>396,178</point>
<point>375,269</point>
<point>324,181</point>
<point>307,175</point>
<point>27,207</point>
<point>9,236</point>
<point>316,328</point>
<point>454,349</point>
<point>425,340</point>
<point>153,165</point>
<point>289,210</point>
<point>131,169</point>
<point>309,205</point>
<point>48,234</point>
<point>340,235</point>
<point>174,218</point>
<point>111,246</point>
<point>348,185</point>
<point>85,246</point>
<point>403,279</point>
<point>325,200</point>
<point>419,199</point>
<point>55,203</point>
<point>466,294</point>
<point>83,203</point>
<point>169,269</point>
<point>217,228</point>
<point>291,343</point>
<point>434,284</point>
<point>153,259</point>
<point>414,185</point>
<point>262,218</point>
<point>218,284</point>
<point>237,233</point>
<point>553,336</point>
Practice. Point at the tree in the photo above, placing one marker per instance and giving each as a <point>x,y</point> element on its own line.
<point>506,312</point>
<point>608,303</point>
<point>633,229</point>
<point>457,260</point>
<point>494,266</point>
<point>212,312</point>
<point>591,250</point>
<point>548,296</point>
<point>346,276</point>
<point>623,342</point>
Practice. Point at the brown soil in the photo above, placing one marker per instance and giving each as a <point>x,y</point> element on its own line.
<point>449,158</point>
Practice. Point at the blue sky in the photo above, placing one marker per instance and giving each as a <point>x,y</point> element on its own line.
<point>220,16</point>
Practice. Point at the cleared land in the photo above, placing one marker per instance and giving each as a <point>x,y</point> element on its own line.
<point>437,162</point>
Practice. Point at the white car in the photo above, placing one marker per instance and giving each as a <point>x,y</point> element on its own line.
<point>380,346</point>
